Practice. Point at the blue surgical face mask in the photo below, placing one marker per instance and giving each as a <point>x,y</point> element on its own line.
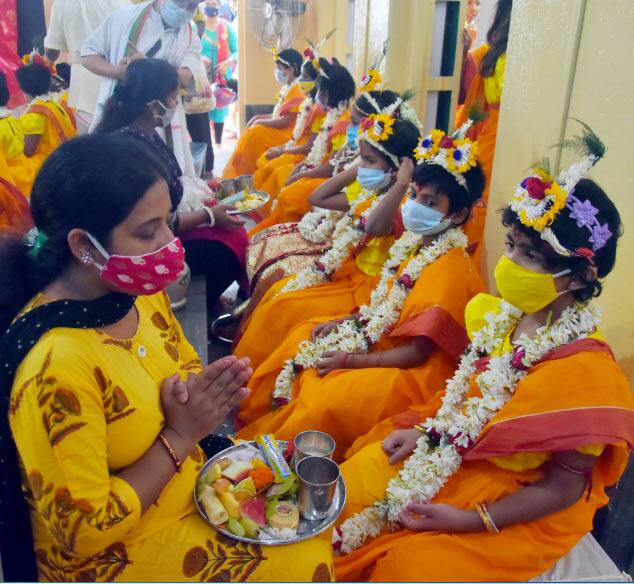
<point>281,76</point>
<point>173,15</point>
<point>352,133</point>
<point>423,220</point>
<point>373,179</point>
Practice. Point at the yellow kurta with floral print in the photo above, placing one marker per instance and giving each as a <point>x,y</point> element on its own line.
<point>84,406</point>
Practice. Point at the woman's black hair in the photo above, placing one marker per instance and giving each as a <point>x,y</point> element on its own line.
<point>573,237</point>
<point>92,183</point>
<point>34,79</point>
<point>293,58</point>
<point>497,37</point>
<point>144,81</point>
<point>440,179</point>
<point>5,95</point>
<point>337,81</point>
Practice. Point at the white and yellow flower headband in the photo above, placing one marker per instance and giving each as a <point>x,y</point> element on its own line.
<point>378,127</point>
<point>455,153</point>
<point>539,199</point>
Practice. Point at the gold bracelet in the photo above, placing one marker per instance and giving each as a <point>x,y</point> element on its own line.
<point>490,525</point>
<point>177,461</point>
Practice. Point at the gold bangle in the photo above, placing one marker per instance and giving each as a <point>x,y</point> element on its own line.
<point>420,428</point>
<point>177,461</point>
<point>488,522</point>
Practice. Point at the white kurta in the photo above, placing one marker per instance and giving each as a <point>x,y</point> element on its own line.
<point>179,47</point>
<point>71,23</point>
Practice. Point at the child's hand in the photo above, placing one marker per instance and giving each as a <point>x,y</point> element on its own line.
<point>331,361</point>
<point>440,517</point>
<point>405,172</point>
<point>400,443</point>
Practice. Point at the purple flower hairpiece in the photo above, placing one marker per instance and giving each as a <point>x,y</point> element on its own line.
<point>585,214</point>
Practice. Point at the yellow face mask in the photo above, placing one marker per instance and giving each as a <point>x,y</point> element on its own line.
<point>527,290</point>
<point>306,86</point>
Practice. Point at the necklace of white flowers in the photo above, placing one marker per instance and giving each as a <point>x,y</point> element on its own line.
<point>320,148</point>
<point>461,419</point>
<point>281,96</point>
<point>348,234</point>
<point>300,122</point>
<point>317,225</point>
<point>357,335</point>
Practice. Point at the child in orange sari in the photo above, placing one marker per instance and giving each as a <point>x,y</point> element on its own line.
<point>335,89</point>
<point>267,131</point>
<point>506,477</point>
<point>48,121</point>
<point>343,277</point>
<point>14,207</point>
<point>401,347</point>
<point>12,142</point>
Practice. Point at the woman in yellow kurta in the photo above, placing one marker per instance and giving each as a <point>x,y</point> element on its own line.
<point>107,398</point>
<point>426,283</point>
<point>343,277</point>
<point>335,89</point>
<point>267,131</point>
<point>12,143</point>
<point>506,477</point>
<point>48,122</point>
<point>483,103</point>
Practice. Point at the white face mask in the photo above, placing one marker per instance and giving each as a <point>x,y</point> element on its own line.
<point>281,76</point>
<point>422,219</point>
<point>175,16</point>
<point>168,114</point>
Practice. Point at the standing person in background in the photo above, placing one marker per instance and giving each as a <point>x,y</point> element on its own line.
<point>71,23</point>
<point>220,48</point>
<point>483,102</point>
<point>158,28</point>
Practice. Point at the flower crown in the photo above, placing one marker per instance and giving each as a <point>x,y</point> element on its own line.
<point>276,57</point>
<point>34,58</point>
<point>540,197</point>
<point>372,79</point>
<point>311,52</point>
<point>378,127</point>
<point>455,153</point>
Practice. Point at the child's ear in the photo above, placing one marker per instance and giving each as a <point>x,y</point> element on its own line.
<point>460,216</point>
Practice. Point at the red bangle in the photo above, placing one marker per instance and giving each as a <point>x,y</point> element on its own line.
<point>177,461</point>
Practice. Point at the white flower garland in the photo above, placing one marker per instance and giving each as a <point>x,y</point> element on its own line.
<point>348,233</point>
<point>384,310</point>
<point>300,122</point>
<point>320,149</point>
<point>460,420</point>
<point>318,225</point>
<point>4,113</point>
<point>281,96</point>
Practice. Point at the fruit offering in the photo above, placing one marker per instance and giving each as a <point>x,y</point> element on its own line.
<point>249,202</point>
<point>243,494</point>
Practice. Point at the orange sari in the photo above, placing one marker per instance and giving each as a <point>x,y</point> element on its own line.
<point>543,416</point>
<point>258,139</point>
<point>292,200</point>
<point>351,285</point>
<point>484,95</point>
<point>15,213</point>
<point>434,309</point>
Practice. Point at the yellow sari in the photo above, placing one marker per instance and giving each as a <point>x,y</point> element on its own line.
<point>12,145</point>
<point>84,406</point>
<point>53,122</point>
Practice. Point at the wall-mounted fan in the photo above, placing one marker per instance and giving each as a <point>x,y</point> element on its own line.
<point>275,23</point>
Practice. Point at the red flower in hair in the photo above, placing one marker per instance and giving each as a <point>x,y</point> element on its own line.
<point>584,252</point>
<point>536,187</point>
<point>446,142</point>
<point>309,54</point>
<point>365,124</point>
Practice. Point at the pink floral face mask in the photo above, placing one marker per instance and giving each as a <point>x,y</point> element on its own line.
<point>143,274</point>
